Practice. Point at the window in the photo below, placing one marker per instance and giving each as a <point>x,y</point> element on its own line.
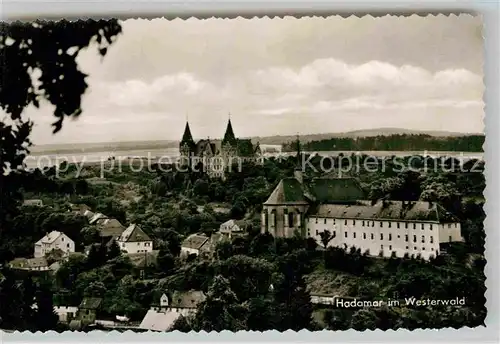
<point>432,239</point>
<point>325,221</point>
<point>372,236</point>
<point>455,225</point>
<point>414,238</point>
<point>390,236</point>
<point>345,222</point>
<point>353,222</point>
<point>450,238</point>
<point>316,232</point>
<point>334,234</point>
<point>422,226</point>
<point>415,248</point>
<point>363,223</point>
<point>354,235</point>
<point>423,248</point>
<point>62,239</point>
<point>431,227</point>
<point>381,247</point>
<point>316,220</point>
<point>67,245</point>
<point>390,247</point>
<point>290,220</point>
<point>406,237</point>
<point>333,221</point>
<point>414,226</point>
<point>345,234</point>
<point>406,225</point>
<point>381,224</point>
<point>397,224</point>
<point>364,235</point>
<point>373,223</point>
<point>406,247</point>
<point>381,236</point>
<point>390,223</point>
<point>423,238</point>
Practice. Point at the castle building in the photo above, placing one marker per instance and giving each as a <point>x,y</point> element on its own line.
<point>217,156</point>
<point>337,205</point>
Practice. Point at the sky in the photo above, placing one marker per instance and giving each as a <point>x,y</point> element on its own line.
<point>278,77</point>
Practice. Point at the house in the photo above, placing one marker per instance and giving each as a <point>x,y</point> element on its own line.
<point>162,316</point>
<point>231,227</point>
<point>337,205</point>
<point>88,309</point>
<point>66,313</point>
<point>54,240</point>
<point>95,217</point>
<point>80,209</point>
<point>32,264</point>
<point>33,203</point>
<point>134,240</point>
<point>109,228</point>
<point>195,244</point>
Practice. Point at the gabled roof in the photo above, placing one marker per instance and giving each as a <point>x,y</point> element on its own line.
<point>229,134</point>
<point>288,191</point>
<point>49,238</point>
<point>386,210</point>
<point>195,241</point>
<point>110,227</point>
<point>233,225</point>
<point>133,234</point>
<point>90,303</point>
<point>187,138</point>
<point>161,320</point>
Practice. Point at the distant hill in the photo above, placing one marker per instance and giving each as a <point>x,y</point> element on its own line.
<point>358,133</point>
<point>267,140</point>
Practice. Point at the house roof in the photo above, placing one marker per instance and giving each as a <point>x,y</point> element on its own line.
<point>195,241</point>
<point>321,190</point>
<point>96,217</point>
<point>31,263</point>
<point>159,320</point>
<point>49,238</point>
<point>90,303</point>
<point>134,234</point>
<point>234,225</point>
<point>110,227</point>
<point>386,210</point>
<point>188,299</point>
<point>35,202</point>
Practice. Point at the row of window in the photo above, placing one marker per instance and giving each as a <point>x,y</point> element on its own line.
<point>389,237</point>
<point>415,248</point>
<point>366,223</point>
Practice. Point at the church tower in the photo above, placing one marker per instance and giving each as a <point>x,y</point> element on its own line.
<point>187,145</point>
<point>298,173</point>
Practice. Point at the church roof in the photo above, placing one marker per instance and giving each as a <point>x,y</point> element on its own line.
<point>321,190</point>
<point>386,210</point>
<point>288,191</point>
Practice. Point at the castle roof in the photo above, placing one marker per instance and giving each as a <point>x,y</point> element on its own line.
<point>187,137</point>
<point>229,134</point>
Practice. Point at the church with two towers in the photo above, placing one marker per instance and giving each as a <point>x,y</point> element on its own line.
<point>218,156</point>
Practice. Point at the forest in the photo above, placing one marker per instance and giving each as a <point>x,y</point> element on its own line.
<point>396,142</point>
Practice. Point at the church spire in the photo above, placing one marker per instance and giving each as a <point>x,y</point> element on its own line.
<point>187,137</point>
<point>298,167</point>
<point>229,134</point>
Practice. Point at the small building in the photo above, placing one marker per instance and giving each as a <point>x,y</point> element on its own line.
<point>88,309</point>
<point>195,244</point>
<point>134,240</point>
<point>231,227</point>
<point>79,209</point>
<point>54,240</point>
<point>31,264</point>
<point>33,203</point>
<point>66,313</point>
<point>162,316</point>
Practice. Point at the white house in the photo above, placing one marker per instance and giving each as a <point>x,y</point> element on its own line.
<point>231,227</point>
<point>51,241</point>
<point>134,240</point>
<point>66,313</point>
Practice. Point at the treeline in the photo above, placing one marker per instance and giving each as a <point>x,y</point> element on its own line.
<point>399,142</point>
